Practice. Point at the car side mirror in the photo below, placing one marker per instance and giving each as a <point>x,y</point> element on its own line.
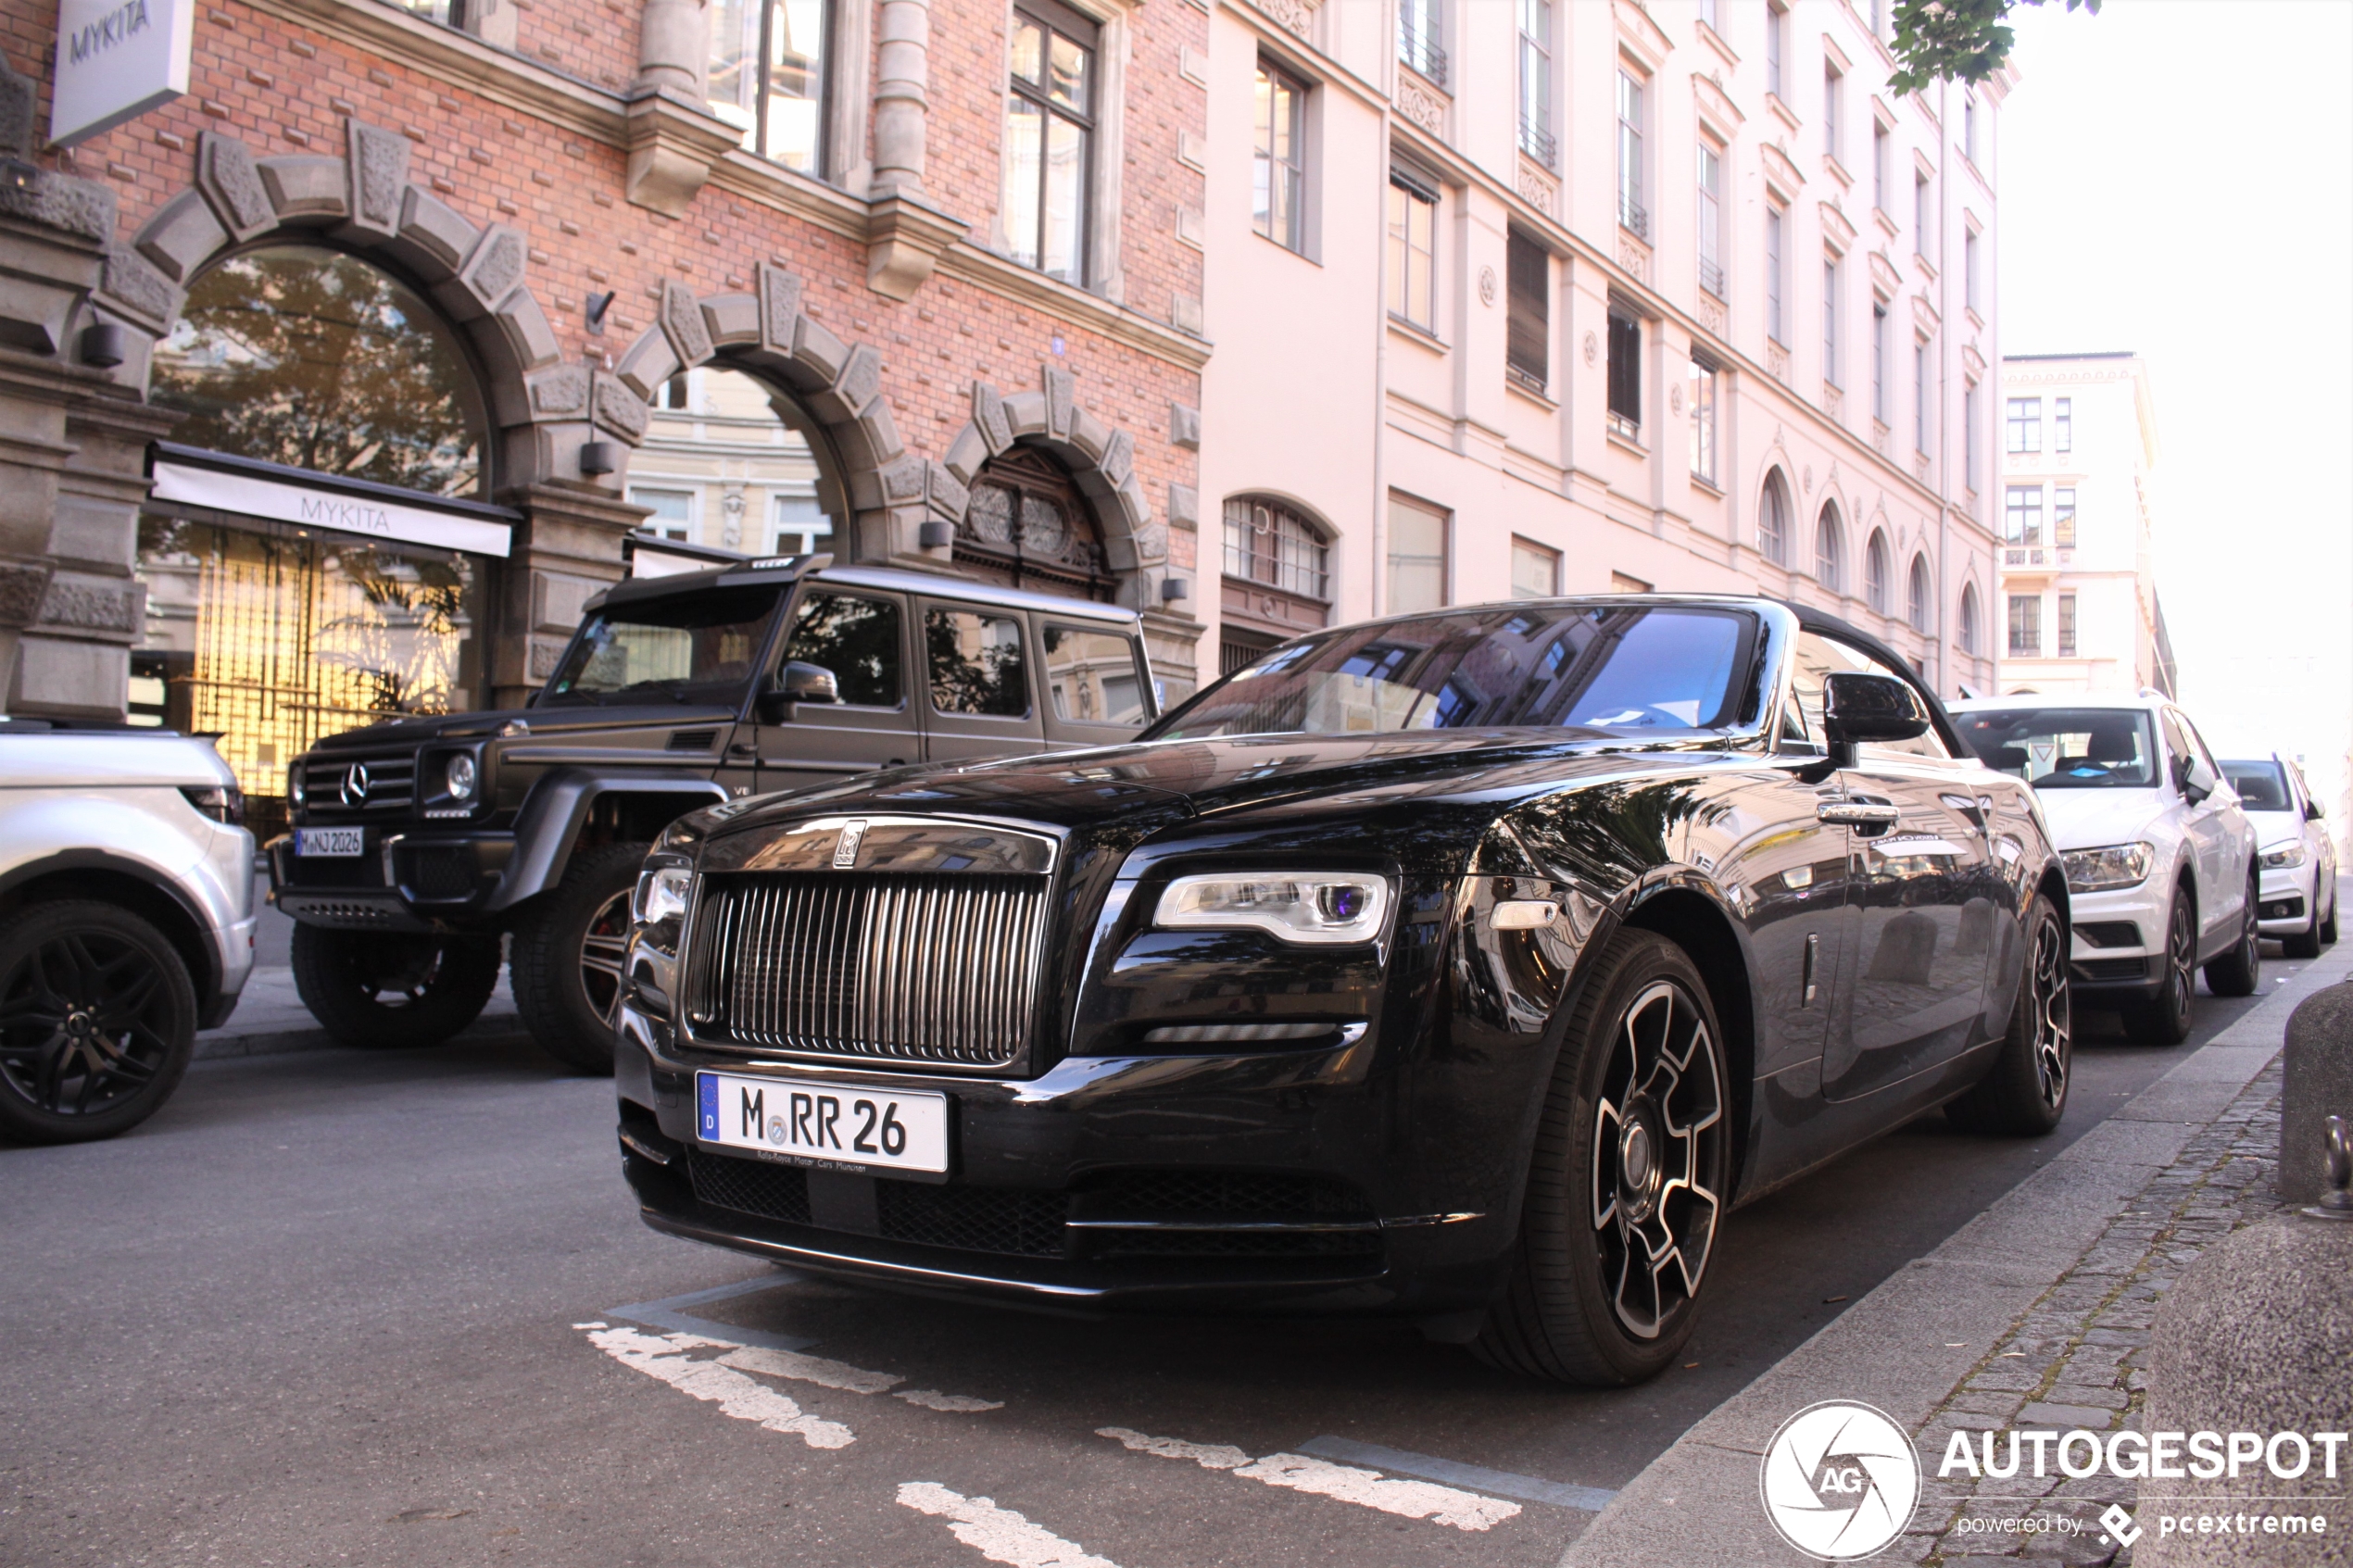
<point>800,682</point>
<point>2312,811</point>
<point>1860,707</point>
<point>2195,783</point>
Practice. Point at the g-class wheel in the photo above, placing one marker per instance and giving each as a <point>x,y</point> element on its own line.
<point>1625,1190</point>
<point>97,1022</point>
<point>386,990</point>
<point>568,956</point>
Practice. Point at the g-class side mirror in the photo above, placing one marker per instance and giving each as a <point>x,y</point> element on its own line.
<point>800,682</point>
<point>1859,706</point>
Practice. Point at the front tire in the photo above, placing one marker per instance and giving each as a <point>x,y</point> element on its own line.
<point>97,1022</point>
<point>2328,926</point>
<point>2164,1019</point>
<point>388,990</point>
<point>2305,944</point>
<point>1626,1187</point>
<point>2025,1094</point>
<point>2240,971</point>
<point>567,959</point>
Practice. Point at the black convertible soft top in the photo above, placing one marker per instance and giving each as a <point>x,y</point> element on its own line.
<point>1812,620</point>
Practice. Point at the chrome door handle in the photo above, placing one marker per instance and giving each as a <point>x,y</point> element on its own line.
<point>1856,814</point>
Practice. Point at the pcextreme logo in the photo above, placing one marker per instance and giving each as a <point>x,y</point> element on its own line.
<point>1840,1480</point>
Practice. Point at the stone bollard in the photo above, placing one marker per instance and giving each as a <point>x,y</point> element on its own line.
<point>2256,1337</point>
<point>2317,1083</point>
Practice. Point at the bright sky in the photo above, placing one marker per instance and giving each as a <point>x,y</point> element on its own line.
<point>2177,178</point>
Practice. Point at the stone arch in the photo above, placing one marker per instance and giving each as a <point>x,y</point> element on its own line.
<point>364,202</point>
<point>1776,515</point>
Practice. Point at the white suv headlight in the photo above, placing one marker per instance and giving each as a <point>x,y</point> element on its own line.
<point>2112,866</point>
<point>2286,855</point>
<point>1327,908</point>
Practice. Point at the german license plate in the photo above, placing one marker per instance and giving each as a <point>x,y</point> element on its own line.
<point>312,842</point>
<point>824,1124</point>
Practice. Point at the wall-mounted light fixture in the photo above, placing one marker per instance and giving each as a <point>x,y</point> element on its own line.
<point>597,305</point>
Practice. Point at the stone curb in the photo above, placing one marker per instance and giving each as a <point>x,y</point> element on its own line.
<point>1907,1346</point>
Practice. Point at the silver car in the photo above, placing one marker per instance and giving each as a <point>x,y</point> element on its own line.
<point>2300,859</point>
<point>126,921</point>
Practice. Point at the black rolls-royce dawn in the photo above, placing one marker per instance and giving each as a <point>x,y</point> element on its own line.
<point>1467,967</point>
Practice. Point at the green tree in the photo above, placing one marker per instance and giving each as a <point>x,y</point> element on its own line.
<point>1956,40</point>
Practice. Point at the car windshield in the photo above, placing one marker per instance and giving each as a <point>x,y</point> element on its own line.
<point>2066,747</point>
<point>2262,787</point>
<point>695,647</point>
<point>1641,668</point>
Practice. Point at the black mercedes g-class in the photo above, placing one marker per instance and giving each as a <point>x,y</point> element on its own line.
<point>417,844</point>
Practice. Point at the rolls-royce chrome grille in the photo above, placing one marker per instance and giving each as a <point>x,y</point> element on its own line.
<point>926,946</point>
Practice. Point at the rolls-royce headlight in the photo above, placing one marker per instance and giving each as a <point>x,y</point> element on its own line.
<point>662,892</point>
<point>1313,907</point>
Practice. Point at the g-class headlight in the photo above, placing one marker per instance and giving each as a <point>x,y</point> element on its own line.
<point>2111,866</point>
<point>2286,855</point>
<point>1325,908</point>
<point>298,787</point>
<point>459,776</point>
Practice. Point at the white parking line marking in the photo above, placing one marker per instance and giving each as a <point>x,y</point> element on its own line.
<point>663,1358</point>
<point>841,1375</point>
<point>998,1533</point>
<point>933,1399</point>
<point>1300,1473</point>
<point>1561,1494</point>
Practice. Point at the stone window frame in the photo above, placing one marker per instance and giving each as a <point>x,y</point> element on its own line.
<point>1105,273</point>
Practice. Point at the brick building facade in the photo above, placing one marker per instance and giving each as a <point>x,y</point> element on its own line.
<point>512,162</point>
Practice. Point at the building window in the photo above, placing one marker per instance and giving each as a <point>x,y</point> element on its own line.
<point>1920,247</point>
<point>1028,526</point>
<point>2067,625</point>
<point>1968,126</point>
<point>1968,435</point>
<point>1709,15</point>
<point>1049,135</point>
<point>1776,30</point>
<point>1536,80</point>
<point>1773,274</point>
<point>1279,169</point>
<point>1625,374</point>
<point>1413,254</point>
<point>1421,30</point>
<point>1879,163</point>
<point>1968,621</point>
<point>768,76</point>
<point>1970,295</point>
<point>1830,551</point>
<point>1416,557</point>
<point>1831,374</point>
<point>802,526</point>
<point>2022,515</point>
<point>2062,516</point>
<point>1772,520</point>
<point>1536,571</point>
<point>1711,219</point>
<point>1701,394</point>
<point>1878,362</point>
<point>1875,571</point>
<point>1619,583</point>
<point>2026,626</point>
<point>2022,424</point>
<point>1917,600</point>
<point>1270,545</point>
<point>671,397</point>
<point>1920,398</point>
<point>1834,116</point>
<point>2062,423</point>
<point>1527,331</point>
<point>1631,215</point>
<point>674,511</point>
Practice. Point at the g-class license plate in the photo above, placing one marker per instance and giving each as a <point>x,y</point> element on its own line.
<point>312,842</point>
<point>824,1124</point>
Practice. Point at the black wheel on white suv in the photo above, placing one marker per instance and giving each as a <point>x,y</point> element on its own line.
<point>2240,971</point>
<point>2164,1019</point>
<point>97,1022</point>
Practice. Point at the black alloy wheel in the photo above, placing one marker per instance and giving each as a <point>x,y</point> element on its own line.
<point>2240,971</point>
<point>1625,1189</point>
<point>2328,926</point>
<point>2025,1091</point>
<point>568,957</point>
<point>2305,944</point>
<point>2164,1019</point>
<point>97,1022</point>
<point>388,990</point>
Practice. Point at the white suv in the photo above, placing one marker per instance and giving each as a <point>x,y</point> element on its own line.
<point>2161,872</point>
<point>126,921</point>
<point>2300,859</point>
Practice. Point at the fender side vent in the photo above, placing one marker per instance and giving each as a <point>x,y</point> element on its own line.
<point>692,740</point>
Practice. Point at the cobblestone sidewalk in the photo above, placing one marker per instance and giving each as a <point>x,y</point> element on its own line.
<point>2075,1359</point>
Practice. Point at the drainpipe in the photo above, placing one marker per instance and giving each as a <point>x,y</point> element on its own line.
<point>1375,587</point>
<point>1944,402</point>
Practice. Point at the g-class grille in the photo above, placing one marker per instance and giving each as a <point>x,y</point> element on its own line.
<point>898,967</point>
<point>337,786</point>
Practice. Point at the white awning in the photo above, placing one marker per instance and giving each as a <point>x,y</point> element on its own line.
<point>414,523</point>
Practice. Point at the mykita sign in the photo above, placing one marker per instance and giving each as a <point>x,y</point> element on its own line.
<point>117,58</point>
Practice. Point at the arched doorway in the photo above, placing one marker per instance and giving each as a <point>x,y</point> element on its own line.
<point>315,552</point>
<point>1028,526</point>
<point>731,462</point>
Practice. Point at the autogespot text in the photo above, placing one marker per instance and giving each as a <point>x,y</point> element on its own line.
<point>2132,1456</point>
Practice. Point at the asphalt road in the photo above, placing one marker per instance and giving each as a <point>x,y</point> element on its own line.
<point>343,1307</point>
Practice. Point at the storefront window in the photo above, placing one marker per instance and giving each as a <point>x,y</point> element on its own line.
<point>314,359</point>
<point>272,640</point>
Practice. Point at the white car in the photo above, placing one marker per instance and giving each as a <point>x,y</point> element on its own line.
<point>2298,857</point>
<point>2161,872</point>
<point>126,921</point>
